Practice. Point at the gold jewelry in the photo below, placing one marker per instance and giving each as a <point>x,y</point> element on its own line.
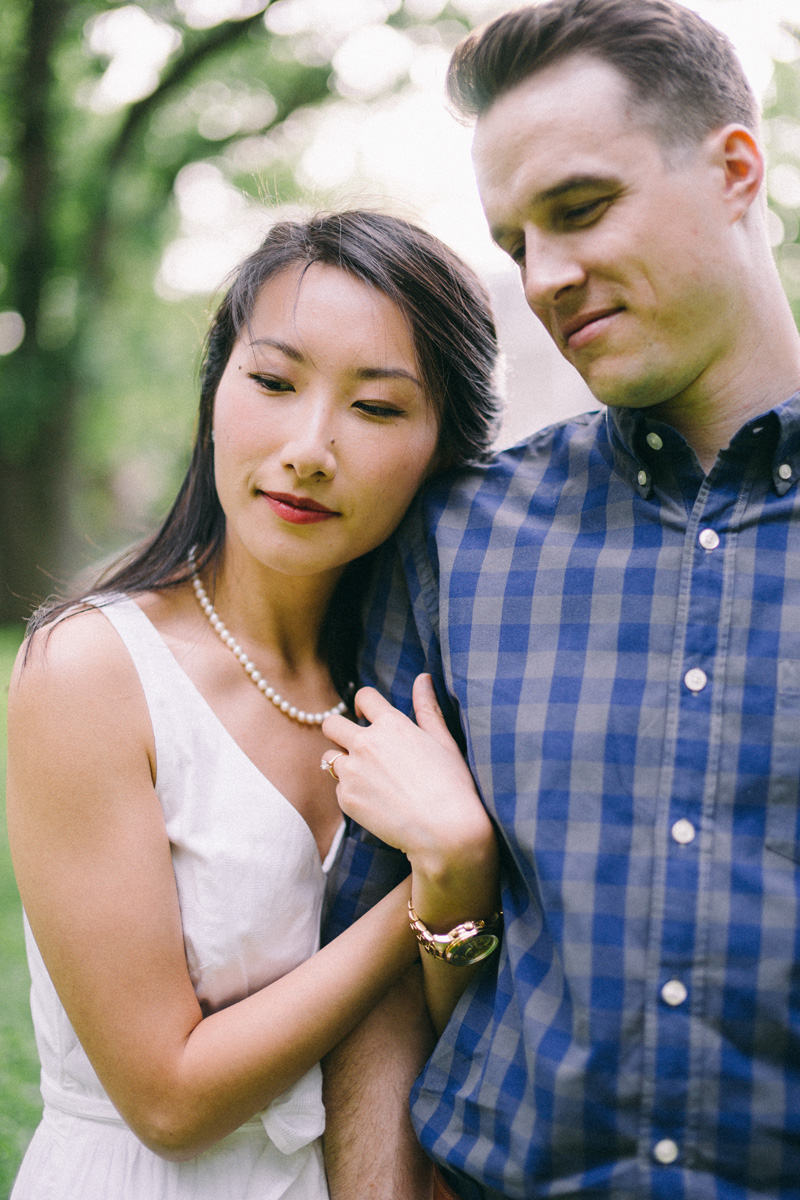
<point>327,764</point>
<point>289,710</point>
<point>470,942</point>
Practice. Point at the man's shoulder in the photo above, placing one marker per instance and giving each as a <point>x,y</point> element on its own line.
<point>552,456</point>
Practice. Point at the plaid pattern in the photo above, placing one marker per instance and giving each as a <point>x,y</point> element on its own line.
<point>650,817</point>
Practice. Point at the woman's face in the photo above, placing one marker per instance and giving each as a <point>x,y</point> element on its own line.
<point>322,429</point>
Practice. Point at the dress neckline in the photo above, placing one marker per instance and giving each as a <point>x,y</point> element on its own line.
<point>122,599</point>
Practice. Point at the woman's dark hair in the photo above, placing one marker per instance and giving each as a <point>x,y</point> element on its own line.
<point>682,72</point>
<point>454,337</point>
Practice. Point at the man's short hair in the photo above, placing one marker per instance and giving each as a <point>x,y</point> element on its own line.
<point>683,71</point>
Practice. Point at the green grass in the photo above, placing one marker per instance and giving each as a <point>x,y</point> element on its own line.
<point>20,1104</point>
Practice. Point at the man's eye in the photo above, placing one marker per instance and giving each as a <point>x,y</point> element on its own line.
<point>517,254</point>
<point>583,214</point>
<point>270,383</point>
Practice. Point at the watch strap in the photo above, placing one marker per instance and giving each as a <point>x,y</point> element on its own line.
<point>454,946</point>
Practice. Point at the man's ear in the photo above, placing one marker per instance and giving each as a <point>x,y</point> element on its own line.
<point>737,153</point>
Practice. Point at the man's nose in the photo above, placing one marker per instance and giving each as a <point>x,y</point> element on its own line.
<point>309,448</point>
<point>551,268</point>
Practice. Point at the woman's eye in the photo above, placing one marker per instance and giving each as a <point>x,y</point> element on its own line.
<point>270,383</point>
<point>374,409</point>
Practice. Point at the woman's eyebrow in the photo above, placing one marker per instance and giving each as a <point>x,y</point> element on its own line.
<point>386,373</point>
<point>284,347</point>
<point>365,373</point>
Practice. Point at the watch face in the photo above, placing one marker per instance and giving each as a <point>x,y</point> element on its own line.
<point>471,949</point>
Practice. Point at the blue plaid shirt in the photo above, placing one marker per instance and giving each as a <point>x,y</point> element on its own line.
<point>618,641</point>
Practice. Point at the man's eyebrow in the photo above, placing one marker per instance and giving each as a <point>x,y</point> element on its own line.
<point>571,184</point>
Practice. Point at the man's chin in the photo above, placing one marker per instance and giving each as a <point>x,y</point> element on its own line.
<point>619,391</point>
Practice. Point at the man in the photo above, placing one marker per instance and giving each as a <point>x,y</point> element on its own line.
<point>611,614</point>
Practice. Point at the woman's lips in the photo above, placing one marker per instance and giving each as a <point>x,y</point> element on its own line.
<point>297,509</point>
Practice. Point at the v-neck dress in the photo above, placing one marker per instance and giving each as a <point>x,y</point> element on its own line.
<point>250,885</point>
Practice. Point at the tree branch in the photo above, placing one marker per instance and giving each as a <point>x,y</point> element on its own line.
<point>220,38</point>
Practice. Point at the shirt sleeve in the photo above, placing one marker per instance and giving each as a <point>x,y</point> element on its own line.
<point>400,641</point>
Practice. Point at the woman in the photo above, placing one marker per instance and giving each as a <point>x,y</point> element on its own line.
<point>170,824</point>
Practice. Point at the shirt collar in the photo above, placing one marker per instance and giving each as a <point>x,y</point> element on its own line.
<point>786,458</point>
<point>639,441</point>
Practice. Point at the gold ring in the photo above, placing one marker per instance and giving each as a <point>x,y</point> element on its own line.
<point>327,764</point>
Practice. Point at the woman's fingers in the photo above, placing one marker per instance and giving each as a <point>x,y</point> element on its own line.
<point>371,704</point>
<point>368,703</point>
<point>329,761</point>
<point>339,730</point>
<point>428,713</point>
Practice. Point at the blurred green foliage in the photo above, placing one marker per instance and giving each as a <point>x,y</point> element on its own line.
<point>97,403</point>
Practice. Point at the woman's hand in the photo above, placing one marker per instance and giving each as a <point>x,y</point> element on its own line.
<point>410,786</point>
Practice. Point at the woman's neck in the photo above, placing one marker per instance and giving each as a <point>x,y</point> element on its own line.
<point>281,613</point>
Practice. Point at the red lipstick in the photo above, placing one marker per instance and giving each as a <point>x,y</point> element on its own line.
<point>298,510</point>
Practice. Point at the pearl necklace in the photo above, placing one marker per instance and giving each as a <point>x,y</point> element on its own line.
<point>295,714</point>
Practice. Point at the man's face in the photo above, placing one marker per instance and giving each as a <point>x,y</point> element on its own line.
<point>625,257</point>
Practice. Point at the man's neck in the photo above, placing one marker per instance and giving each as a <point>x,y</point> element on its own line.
<point>765,375</point>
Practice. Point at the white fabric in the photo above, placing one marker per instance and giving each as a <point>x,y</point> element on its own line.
<point>250,884</point>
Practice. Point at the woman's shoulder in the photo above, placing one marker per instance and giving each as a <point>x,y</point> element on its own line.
<point>77,651</point>
<point>75,688</point>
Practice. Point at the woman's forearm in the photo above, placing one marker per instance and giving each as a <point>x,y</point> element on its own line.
<point>454,891</point>
<point>236,1061</point>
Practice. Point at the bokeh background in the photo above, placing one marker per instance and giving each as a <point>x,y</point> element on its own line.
<point>144,149</point>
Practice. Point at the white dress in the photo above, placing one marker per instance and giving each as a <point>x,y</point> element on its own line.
<point>250,884</point>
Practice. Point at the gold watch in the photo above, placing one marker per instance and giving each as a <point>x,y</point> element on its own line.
<point>468,943</point>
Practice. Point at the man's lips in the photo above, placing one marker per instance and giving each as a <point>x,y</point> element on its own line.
<point>581,329</point>
<point>298,510</point>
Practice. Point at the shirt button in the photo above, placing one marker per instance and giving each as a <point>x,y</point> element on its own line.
<point>654,440</point>
<point>695,679</point>
<point>683,832</point>
<point>665,1151</point>
<point>785,471</point>
<point>708,539</point>
<point>642,478</point>
<point>673,992</point>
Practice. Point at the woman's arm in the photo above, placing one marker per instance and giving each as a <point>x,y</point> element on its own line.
<point>409,785</point>
<point>94,870</point>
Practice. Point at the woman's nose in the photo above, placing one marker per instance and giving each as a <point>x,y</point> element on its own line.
<point>309,448</point>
